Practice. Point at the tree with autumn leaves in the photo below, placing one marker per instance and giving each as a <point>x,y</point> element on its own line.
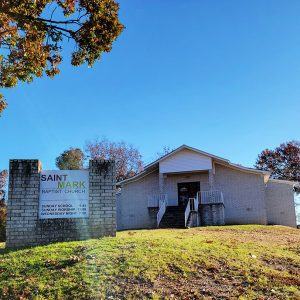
<point>283,162</point>
<point>128,160</point>
<point>71,159</point>
<point>32,35</point>
<point>3,180</point>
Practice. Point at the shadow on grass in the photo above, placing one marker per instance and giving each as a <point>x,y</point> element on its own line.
<point>4,250</point>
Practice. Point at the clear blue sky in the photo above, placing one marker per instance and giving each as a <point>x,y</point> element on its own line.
<point>222,76</point>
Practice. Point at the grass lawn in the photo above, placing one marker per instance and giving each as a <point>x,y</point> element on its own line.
<point>229,262</point>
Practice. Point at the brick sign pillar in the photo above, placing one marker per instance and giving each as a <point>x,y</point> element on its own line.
<point>23,202</point>
<point>102,198</point>
<point>25,228</point>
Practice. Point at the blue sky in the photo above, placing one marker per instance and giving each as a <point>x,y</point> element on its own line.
<point>221,76</point>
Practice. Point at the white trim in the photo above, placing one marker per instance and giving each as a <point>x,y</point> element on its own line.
<point>284,181</point>
<point>136,177</point>
<point>245,169</point>
<point>188,148</point>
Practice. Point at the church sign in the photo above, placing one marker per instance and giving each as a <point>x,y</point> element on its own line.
<point>64,194</point>
<point>57,206</point>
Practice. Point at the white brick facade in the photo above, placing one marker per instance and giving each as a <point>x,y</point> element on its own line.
<point>280,204</point>
<point>132,203</point>
<point>249,196</point>
<point>244,196</point>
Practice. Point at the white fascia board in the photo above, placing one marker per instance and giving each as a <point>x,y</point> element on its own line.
<point>136,177</point>
<point>244,169</point>
<point>294,183</point>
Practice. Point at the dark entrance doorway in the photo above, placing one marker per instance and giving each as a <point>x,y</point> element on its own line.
<point>187,190</point>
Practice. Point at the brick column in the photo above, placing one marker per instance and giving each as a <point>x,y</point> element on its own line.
<point>102,198</point>
<point>23,202</point>
<point>161,179</point>
<point>211,179</point>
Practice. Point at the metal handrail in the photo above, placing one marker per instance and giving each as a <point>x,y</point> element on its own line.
<point>192,206</point>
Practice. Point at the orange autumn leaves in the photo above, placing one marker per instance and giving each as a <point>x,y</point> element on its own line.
<point>32,35</point>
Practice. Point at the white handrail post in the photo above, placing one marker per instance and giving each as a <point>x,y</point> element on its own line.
<point>196,203</point>
<point>191,203</point>
<point>187,212</point>
<point>163,203</point>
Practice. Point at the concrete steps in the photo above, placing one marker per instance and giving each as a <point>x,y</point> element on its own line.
<point>173,217</point>
<point>209,215</point>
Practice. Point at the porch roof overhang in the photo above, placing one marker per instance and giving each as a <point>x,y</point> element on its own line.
<point>154,166</point>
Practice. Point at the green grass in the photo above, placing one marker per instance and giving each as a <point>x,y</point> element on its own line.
<point>229,262</point>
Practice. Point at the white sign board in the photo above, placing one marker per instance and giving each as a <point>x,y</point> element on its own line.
<point>64,194</point>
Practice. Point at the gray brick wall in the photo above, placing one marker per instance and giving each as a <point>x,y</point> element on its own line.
<point>212,214</point>
<point>132,204</point>
<point>280,204</point>
<point>24,228</point>
<point>244,196</point>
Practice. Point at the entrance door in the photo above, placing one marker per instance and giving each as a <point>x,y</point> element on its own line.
<point>187,190</point>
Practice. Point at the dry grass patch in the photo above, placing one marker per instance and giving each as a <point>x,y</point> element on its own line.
<point>229,262</point>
